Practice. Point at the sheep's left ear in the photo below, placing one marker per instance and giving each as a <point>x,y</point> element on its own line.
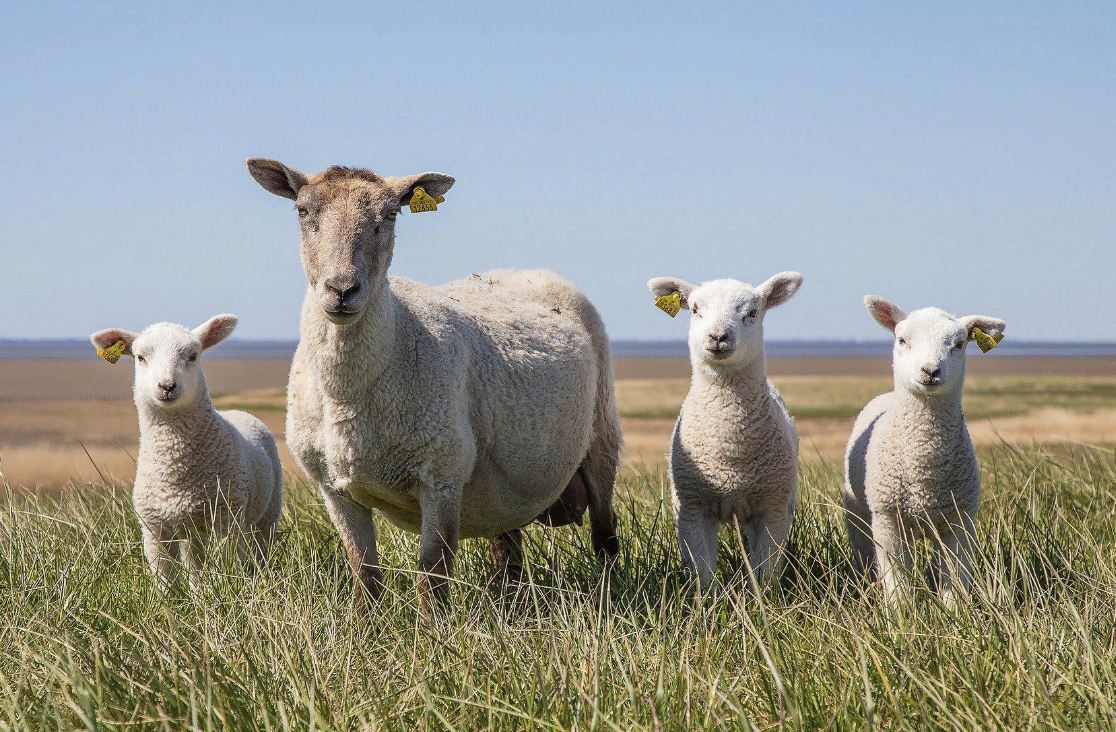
<point>215,330</point>
<point>435,184</point>
<point>778,289</point>
<point>991,326</point>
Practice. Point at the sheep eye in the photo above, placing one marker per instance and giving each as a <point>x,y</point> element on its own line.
<point>902,341</point>
<point>751,314</point>
<point>193,357</point>
<point>303,212</point>
<point>141,359</point>
<point>959,345</point>
<point>694,310</point>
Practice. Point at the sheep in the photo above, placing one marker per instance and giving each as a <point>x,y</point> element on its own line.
<point>910,469</point>
<point>734,452</point>
<point>200,472</point>
<point>465,410</point>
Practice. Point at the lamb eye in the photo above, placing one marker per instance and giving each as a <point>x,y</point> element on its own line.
<point>193,357</point>
<point>694,310</point>
<point>750,314</point>
<point>902,341</point>
<point>141,359</point>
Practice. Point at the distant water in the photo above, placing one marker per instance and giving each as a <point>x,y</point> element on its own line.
<point>12,349</point>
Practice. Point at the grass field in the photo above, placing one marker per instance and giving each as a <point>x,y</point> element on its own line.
<point>86,642</point>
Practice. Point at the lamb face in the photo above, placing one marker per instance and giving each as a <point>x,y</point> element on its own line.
<point>168,373</point>
<point>347,221</point>
<point>726,324</point>
<point>928,357</point>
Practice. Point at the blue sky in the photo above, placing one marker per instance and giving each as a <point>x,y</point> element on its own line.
<point>950,153</point>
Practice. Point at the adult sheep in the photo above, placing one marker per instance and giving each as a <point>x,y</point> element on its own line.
<point>465,410</point>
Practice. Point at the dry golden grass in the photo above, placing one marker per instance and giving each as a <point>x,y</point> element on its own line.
<point>53,412</point>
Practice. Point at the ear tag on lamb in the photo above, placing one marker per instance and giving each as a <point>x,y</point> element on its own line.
<point>669,304</point>
<point>113,353</point>
<point>985,341</point>
<point>422,201</point>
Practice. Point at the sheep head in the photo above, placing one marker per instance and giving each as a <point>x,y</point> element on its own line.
<point>928,357</point>
<point>168,371</point>
<point>726,323</point>
<point>347,221</point>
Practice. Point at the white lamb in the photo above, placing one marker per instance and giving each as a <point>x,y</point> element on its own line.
<point>734,454</point>
<point>200,473</point>
<point>910,469</point>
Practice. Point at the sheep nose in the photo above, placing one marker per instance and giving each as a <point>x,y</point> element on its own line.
<point>168,387</point>
<point>932,372</point>
<point>718,338</point>
<point>342,289</point>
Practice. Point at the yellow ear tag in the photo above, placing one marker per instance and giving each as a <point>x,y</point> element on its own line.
<point>985,341</point>
<point>422,201</point>
<point>113,353</point>
<point>669,304</point>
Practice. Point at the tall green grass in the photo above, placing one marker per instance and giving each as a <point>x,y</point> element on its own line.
<point>87,642</point>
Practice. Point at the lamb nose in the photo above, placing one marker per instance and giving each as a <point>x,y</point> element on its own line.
<point>718,338</point>
<point>931,372</point>
<point>168,387</point>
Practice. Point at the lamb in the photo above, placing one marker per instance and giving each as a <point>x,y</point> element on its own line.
<point>734,453</point>
<point>200,473</point>
<point>466,410</point>
<point>910,469</point>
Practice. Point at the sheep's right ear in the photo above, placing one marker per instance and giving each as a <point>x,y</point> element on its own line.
<point>277,178</point>
<point>109,337</point>
<point>885,312</point>
<point>662,286</point>
<point>215,330</point>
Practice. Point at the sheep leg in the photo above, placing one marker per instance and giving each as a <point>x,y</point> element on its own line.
<point>193,554</point>
<point>892,554</point>
<point>158,553</point>
<point>768,535</point>
<point>697,541</point>
<point>506,551</point>
<point>952,560</point>
<point>441,524</point>
<point>858,523</point>
<point>357,529</point>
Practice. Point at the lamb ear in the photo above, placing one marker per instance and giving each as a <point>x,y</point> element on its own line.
<point>992,326</point>
<point>108,337</point>
<point>435,184</point>
<point>277,178</point>
<point>661,286</point>
<point>215,330</point>
<point>885,312</point>
<point>779,288</point>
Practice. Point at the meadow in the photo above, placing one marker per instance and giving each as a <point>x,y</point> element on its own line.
<point>87,641</point>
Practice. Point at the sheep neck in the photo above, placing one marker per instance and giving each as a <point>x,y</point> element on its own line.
<point>196,424</point>
<point>362,351</point>
<point>745,379</point>
<point>929,414</point>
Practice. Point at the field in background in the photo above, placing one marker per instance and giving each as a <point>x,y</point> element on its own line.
<point>55,411</point>
<point>86,642</point>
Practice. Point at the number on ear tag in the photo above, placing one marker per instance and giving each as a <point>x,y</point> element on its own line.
<point>422,201</point>
<point>113,353</point>
<point>985,341</point>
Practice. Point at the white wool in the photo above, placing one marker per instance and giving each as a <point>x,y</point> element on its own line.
<point>910,468</point>
<point>200,473</point>
<point>734,454</point>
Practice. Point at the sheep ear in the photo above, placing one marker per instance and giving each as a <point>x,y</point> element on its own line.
<point>109,337</point>
<point>661,286</point>
<point>215,330</point>
<point>277,178</point>
<point>991,326</point>
<point>435,184</point>
<point>885,312</point>
<point>778,289</point>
